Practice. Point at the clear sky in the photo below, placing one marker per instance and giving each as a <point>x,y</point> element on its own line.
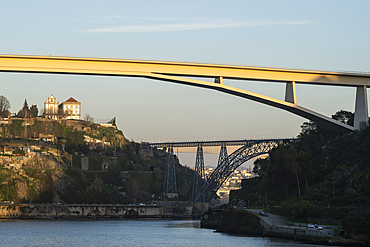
<point>325,34</point>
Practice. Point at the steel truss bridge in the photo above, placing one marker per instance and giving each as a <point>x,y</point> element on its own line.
<point>204,188</point>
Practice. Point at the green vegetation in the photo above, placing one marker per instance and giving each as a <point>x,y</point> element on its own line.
<point>4,106</point>
<point>75,141</point>
<point>232,220</point>
<point>323,177</point>
<point>136,180</point>
<point>19,151</point>
<point>113,173</point>
<point>7,189</point>
<point>357,226</point>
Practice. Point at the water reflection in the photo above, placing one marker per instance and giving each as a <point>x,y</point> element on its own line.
<point>175,233</point>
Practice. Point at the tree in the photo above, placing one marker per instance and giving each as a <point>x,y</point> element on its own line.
<point>88,118</point>
<point>306,168</point>
<point>311,128</point>
<point>344,117</point>
<point>261,166</point>
<point>75,142</point>
<point>284,168</point>
<point>34,111</point>
<point>64,113</point>
<point>24,112</point>
<point>96,185</point>
<point>4,106</point>
<point>292,165</point>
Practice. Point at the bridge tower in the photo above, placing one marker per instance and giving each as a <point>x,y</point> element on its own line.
<point>199,175</point>
<point>223,156</point>
<point>223,162</point>
<point>170,186</point>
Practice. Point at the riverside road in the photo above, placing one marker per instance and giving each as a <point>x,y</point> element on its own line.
<point>281,221</point>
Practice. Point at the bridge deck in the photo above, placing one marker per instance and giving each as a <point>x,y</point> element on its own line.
<point>208,143</point>
<point>177,72</point>
<point>143,68</point>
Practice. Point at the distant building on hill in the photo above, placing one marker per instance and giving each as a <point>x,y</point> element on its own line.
<point>70,109</point>
<point>51,108</point>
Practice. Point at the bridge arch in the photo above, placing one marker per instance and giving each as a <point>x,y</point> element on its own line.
<point>177,71</point>
<point>230,163</point>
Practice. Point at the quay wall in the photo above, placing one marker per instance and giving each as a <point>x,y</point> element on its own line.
<point>78,211</point>
<point>294,233</point>
<point>239,221</point>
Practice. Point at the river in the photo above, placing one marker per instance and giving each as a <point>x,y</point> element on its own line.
<point>174,233</point>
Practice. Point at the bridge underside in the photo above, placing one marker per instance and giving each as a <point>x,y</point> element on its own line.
<point>285,105</point>
<point>176,72</point>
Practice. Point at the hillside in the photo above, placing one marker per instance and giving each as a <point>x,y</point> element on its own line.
<point>324,177</point>
<point>80,162</point>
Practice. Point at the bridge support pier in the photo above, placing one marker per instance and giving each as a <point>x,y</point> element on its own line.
<point>290,93</point>
<point>361,108</point>
<point>170,186</point>
<point>219,80</point>
<point>199,175</point>
<point>223,156</point>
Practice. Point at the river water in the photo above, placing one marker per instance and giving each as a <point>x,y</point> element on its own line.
<point>157,233</point>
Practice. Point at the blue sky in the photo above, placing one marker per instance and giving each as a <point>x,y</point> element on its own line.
<point>328,35</point>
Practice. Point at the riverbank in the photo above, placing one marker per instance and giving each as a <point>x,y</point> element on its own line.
<point>75,211</point>
<point>94,211</point>
<point>173,210</point>
<point>239,221</point>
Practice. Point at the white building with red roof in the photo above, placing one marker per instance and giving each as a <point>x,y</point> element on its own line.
<point>70,109</point>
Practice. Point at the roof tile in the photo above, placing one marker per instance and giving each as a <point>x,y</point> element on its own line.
<point>71,100</point>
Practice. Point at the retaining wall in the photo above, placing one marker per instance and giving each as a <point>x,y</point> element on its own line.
<point>295,233</point>
<point>71,211</point>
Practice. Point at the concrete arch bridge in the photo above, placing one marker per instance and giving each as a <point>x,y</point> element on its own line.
<point>177,72</point>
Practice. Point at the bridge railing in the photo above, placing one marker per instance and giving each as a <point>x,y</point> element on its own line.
<point>241,142</point>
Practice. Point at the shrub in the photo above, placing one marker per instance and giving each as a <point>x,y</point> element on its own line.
<point>357,227</point>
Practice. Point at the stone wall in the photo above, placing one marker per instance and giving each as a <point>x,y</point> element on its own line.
<point>291,232</point>
<point>76,211</point>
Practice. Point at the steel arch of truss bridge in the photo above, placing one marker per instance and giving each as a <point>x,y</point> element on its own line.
<point>229,163</point>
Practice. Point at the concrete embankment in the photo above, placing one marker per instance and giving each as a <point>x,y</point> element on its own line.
<point>294,233</point>
<point>277,226</point>
<point>76,211</point>
<point>239,221</point>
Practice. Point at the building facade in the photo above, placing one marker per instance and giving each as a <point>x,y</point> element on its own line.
<point>51,108</point>
<point>70,109</point>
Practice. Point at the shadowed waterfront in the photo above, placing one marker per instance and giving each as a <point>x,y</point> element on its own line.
<point>123,233</point>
